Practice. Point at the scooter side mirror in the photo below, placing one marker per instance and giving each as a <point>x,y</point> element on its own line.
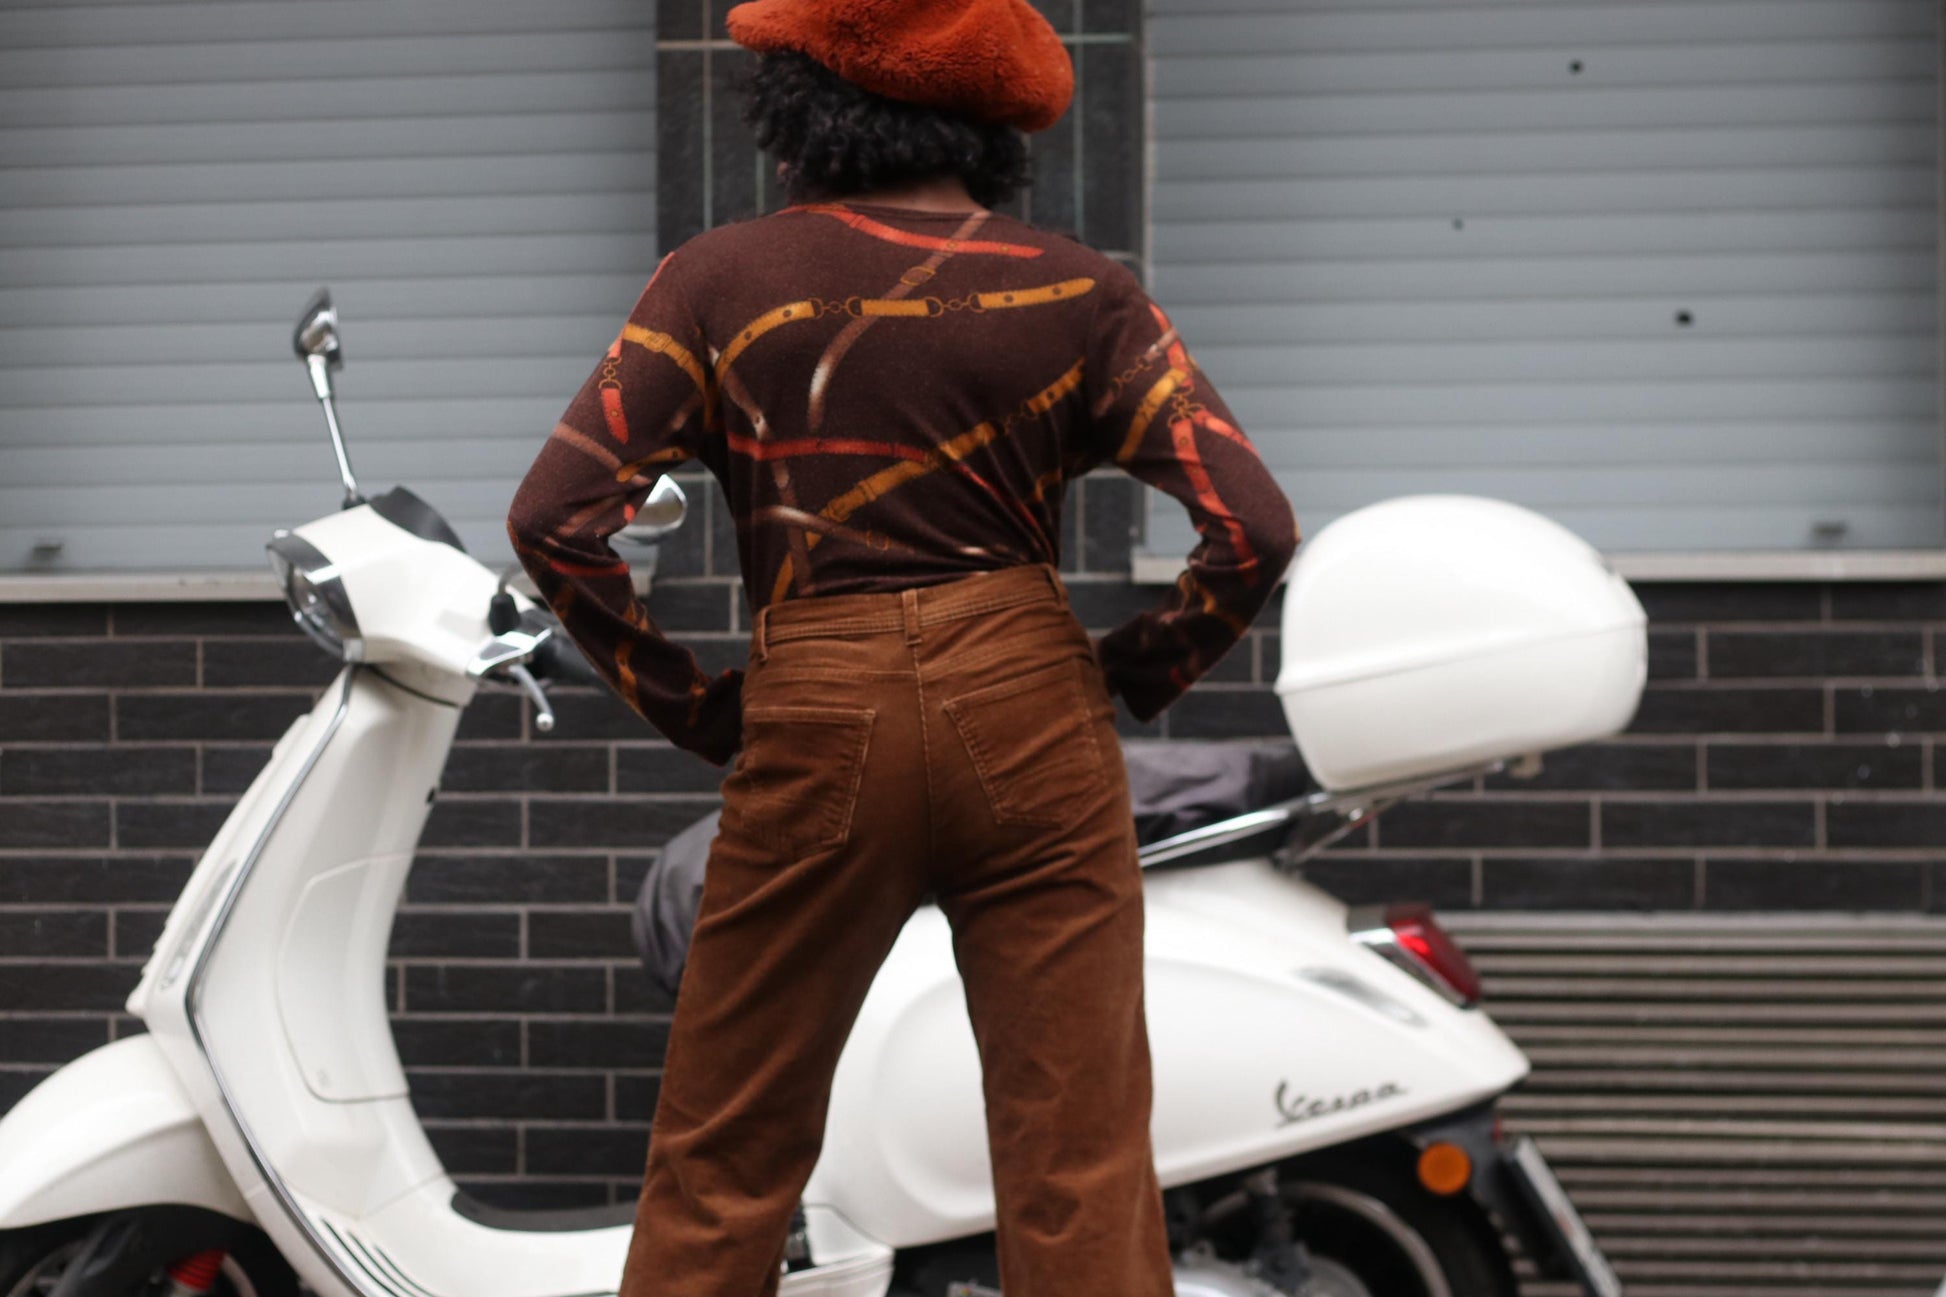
<point>315,340</point>
<point>659,515</point>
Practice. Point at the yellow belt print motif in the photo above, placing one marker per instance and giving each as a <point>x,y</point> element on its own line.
<point>812,308</point>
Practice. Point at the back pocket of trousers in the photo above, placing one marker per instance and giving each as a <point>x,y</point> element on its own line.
<point>1032,740</point>
<point>795,785</point>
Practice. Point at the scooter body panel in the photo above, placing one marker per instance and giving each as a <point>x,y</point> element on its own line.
<point>306,1048</point>
<point>112,1129</point>
<point>420,1236</point>
<point>290,1063</point>
<point>1272,1033</point>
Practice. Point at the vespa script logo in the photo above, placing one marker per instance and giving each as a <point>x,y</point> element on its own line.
<point>1294,1108</point>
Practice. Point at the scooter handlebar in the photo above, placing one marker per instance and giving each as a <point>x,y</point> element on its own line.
<point>558,661</point>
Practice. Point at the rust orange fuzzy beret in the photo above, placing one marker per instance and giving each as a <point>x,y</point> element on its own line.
<point>993,60</point>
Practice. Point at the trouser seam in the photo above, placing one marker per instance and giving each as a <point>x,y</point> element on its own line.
<point>925,756</point>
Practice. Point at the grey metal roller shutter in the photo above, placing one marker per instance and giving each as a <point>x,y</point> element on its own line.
<point>475,180</point>
<point>1742,1106</point>
<point>1667,272</point>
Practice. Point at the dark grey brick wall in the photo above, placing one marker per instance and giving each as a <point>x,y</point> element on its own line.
<point>1783,760</point>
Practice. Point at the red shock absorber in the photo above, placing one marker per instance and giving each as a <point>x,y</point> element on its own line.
<point>195,1275</point>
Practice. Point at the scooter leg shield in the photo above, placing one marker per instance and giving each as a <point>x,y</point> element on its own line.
<point>111,1130</point>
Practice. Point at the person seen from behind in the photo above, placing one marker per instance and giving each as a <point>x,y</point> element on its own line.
<point>893,383</point>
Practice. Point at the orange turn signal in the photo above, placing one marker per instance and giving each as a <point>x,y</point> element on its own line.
<point>1444,1169</point>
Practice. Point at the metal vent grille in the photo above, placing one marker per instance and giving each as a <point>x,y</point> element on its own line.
<point>1741,1107</point>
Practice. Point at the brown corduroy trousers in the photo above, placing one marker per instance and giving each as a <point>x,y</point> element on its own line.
<point>956,740</point>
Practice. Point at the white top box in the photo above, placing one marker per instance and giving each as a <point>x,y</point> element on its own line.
<point>1434,633</point>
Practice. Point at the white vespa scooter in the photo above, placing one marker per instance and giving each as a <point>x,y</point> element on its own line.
<point>1324,1084</point>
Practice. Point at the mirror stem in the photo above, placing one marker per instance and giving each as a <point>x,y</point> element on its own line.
<point>321,384</point>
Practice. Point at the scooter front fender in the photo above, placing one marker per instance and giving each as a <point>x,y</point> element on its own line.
<point>112,1129</point>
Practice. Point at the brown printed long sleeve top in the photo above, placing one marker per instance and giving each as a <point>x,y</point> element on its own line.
<point>890,398</point>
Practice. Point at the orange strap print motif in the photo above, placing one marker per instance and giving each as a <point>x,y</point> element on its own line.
<point>892,234</point>
<point>661,343</point>
<point>1176,388</point>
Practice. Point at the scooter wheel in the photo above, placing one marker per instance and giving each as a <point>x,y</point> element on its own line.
<point>1370,1228</point>
<point>1373,1231</point>
<point>127,1253</point>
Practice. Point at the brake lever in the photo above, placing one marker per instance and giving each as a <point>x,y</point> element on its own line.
<point>543,713</point>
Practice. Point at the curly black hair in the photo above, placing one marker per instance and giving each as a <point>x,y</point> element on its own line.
<point>834,139</point>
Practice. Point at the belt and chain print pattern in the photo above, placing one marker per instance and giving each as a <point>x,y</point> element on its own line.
<point>892,398</point>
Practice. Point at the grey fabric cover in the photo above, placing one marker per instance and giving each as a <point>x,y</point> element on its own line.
<point>1173,785</point>
<point>1176,785</point>
<point>665,908</point>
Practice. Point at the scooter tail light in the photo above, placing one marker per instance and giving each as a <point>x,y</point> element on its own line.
<point>1409,937</point>
<point>1432,948</point>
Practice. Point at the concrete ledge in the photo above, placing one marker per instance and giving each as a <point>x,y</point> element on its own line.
<point>1148,569</point>
<point>138,587</point>
<point>186,587</point>
<point>1767,565</point>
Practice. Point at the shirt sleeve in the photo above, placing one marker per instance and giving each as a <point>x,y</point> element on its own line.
<point>1154,414</point>
<point>643,411</point>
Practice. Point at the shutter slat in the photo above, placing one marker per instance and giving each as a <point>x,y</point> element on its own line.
<point>353,99</point>
<point>1479,26</point>
<point>1302,110</point>
<point>1748,1105</point>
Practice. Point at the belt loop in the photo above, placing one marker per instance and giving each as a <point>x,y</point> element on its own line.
<point>1054,580</point>
<point>757,635</point>
<point>909,603</point>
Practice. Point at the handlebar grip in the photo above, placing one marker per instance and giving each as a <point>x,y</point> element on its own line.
<point>558,660</point>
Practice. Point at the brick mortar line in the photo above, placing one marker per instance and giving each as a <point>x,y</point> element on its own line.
<point>1698,684</point>
<point>284,632</point>
<point>599,960</point>
<point>1839,626</point>
<point>1760,625</point>
<point>1682,796</point>
<point>650,1016</point>
<point>1841,739</point>
<point>1682,851</point>
<point>432,909</point>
